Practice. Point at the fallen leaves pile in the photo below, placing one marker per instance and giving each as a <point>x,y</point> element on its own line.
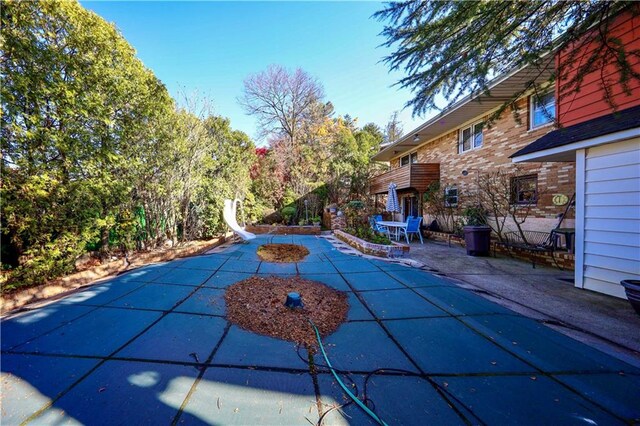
<point>257,304</point>
<point>282,253</point>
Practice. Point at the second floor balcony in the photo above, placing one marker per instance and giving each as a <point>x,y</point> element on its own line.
<point>417,176</point>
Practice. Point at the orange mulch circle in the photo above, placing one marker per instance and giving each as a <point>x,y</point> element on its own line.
<point>257,304</point>
<point>282,253</point>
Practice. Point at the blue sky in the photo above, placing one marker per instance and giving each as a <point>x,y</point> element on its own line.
<point>212,47</point>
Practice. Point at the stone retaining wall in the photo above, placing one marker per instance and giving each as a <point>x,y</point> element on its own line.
<point>283,230</point>
<point>564,259</point>
<point>380,250</point>
<point>333,221</point>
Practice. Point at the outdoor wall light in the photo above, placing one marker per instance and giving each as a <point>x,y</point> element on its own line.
<point>416,138</point>
<point>465,173</point>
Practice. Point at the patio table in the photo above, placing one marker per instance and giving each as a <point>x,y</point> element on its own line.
<point>393,224</point>
<point>569,235</point>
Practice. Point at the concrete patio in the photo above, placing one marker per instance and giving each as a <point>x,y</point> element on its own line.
<point>154,346</point>
<point>544,293</point>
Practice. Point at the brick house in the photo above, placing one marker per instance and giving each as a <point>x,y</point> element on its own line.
<point>456,146</point>
<point>604,144</point>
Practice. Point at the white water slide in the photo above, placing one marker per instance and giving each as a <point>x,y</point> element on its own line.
<point>229,215</point>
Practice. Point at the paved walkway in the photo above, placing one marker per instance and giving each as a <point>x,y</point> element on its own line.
<point>153,346</point>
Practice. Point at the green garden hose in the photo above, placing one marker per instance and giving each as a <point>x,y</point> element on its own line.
<point>355,399</point>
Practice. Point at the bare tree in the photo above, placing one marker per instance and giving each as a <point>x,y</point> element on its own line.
<point>393,129</point>
<point>281,100</point>
<point>497,195</point>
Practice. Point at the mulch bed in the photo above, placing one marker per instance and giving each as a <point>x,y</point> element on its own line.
<point>282,253</point>
<point>64,285</point>
<point>257,304</point>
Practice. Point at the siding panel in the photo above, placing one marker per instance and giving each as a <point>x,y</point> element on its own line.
<point>620,238</point>
<point>590,101</point>
<point>623,172</point>
<point>612,216</point>
<point>622,199</point>
<point>612,250</point>
<point>629,267</point>
<point>622,185</point>
<point>612,225</point>
<point>606,212</point>
<point>604,274</point>
<point>606,287</point>
<point>623,158</point>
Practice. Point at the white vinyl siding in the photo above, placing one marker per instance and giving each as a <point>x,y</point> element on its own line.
<point>611,233</point>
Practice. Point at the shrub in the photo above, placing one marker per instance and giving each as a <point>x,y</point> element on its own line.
<point>355,213</point>
<point>368,235</point>
<point>288,214</point>
<point>475,216</point>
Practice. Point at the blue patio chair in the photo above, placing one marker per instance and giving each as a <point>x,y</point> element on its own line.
<point>413,227</point>
<point>379,228</point>
<point>378,218</point>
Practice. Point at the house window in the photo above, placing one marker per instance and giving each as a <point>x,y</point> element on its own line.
<point>542,109</point>
<point>451,196</point>
<point>409,159</point>
<point>470,137</point>
<point>524,189</point>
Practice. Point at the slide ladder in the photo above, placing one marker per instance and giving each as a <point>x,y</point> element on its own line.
<point>229,215</point>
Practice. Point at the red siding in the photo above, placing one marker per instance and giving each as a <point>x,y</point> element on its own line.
<point>589,102</point>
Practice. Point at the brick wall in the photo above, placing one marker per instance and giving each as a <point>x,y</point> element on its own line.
<point>505,137</point>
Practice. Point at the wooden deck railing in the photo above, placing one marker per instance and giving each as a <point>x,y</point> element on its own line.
<point>417,176</point>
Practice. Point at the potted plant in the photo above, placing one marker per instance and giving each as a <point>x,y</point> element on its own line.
<point>316,220</point>
<point>632,288</point>
<point>477,234</point>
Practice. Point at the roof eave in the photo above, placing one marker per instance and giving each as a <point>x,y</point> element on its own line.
<point>405,143</point>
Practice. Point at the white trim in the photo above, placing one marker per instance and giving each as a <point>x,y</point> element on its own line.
<point>532,100</point>
<point>482,118</point>
<point>587,143</point>
<point>472,130</point>
<point>410,154</point>
<point>581,155</point>
<point>446,195</point>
